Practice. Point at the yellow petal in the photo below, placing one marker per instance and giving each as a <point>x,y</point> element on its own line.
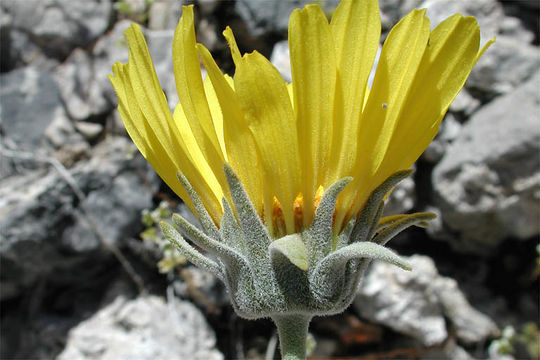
<point>400,58</point>
<point>447,62</point>
<point>263,96</point>
<point>239,143</point>
<point>187,73</point>
<point>138,134</point>
<point>118,80</point>
<point>356,30</point>
<point>231,41</point>
<point>484,48</point>
<point>195,154</point>
<point>291,94</point>
<point>149,122</point>
<point>216,112</point>
<point>313,67</point>
<point>149,98</point>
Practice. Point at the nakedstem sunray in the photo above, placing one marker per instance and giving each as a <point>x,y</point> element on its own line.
<point>289,179</point>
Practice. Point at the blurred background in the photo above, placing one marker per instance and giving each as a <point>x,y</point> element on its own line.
<point>86,274</point>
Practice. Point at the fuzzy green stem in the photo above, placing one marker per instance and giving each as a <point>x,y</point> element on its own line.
<point>293,331</point>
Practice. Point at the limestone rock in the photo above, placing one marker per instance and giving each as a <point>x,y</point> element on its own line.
<point>402,198</point>
<point>160,45</point>
<point>394,10</point>
<point>202,288</point>
<point>449,131</point>
<point>29,102</point>
<point>164,14</point>
<point>78,88</point>
<point>504,66</point>
<point>487,186</point>
<point>488,13</point>
<point>416,303</point>
<point>46,232</point>
<point>145,328</point>
<point>58,26</point>
<point>464,103</point>
<point>83,78</point>
<point>280,59</point>
<point>263,16</point>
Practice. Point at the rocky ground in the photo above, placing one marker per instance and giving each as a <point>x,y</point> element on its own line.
<point>79,281</point>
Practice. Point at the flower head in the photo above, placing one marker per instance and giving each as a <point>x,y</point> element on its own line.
<point>307,165</point>
<point>288,142</point>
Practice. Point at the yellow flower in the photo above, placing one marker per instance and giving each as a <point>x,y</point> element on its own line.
<point>289,142</point>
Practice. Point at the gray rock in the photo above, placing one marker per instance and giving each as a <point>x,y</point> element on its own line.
<point>58,26</point>
<point>46,232</point>
<point>61,131</point>
<point>89,130</point>
<point>115,125</point>
<point>449,131</point>
<point>464,103</point>
<point>160,45</point>
<point>160,48</point>
<point>209,34</point>
<point>449,351</point>
<point>402,198</point>
<point>401,300</point>
<point>202,287</point>
<point>70,145</point>
<point>76,81</point>
<point>470,326</point>
<point>263,16</point>
<point>207,7</point>
<point>108,50</point>
<point>393,10</point>
<point>487,186</point>
<point>508,62</point>
<point>513,27</point>
<point>143,329</point>
<point>164,14</point>
<point>21,51</point>
<point>504,66</point>
<point>488,13</point>
<point>5,60</point>
<point>117,190</point>
<point>5,18</point>
<point>134,6</point>
<point>83,79</point>
<point>280,59</point>
<point>416,303</point>
<point>29,103</point>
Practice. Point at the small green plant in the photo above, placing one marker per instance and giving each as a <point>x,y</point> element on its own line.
<point>528,337</point>
<point>151,219</point>
<point>134,11</point>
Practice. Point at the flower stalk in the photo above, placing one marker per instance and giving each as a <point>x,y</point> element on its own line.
<point>292,331</point>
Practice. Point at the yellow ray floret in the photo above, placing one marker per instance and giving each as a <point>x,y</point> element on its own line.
<point>289,142</point>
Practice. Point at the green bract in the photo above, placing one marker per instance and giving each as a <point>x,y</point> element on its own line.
<point>297,276</point>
